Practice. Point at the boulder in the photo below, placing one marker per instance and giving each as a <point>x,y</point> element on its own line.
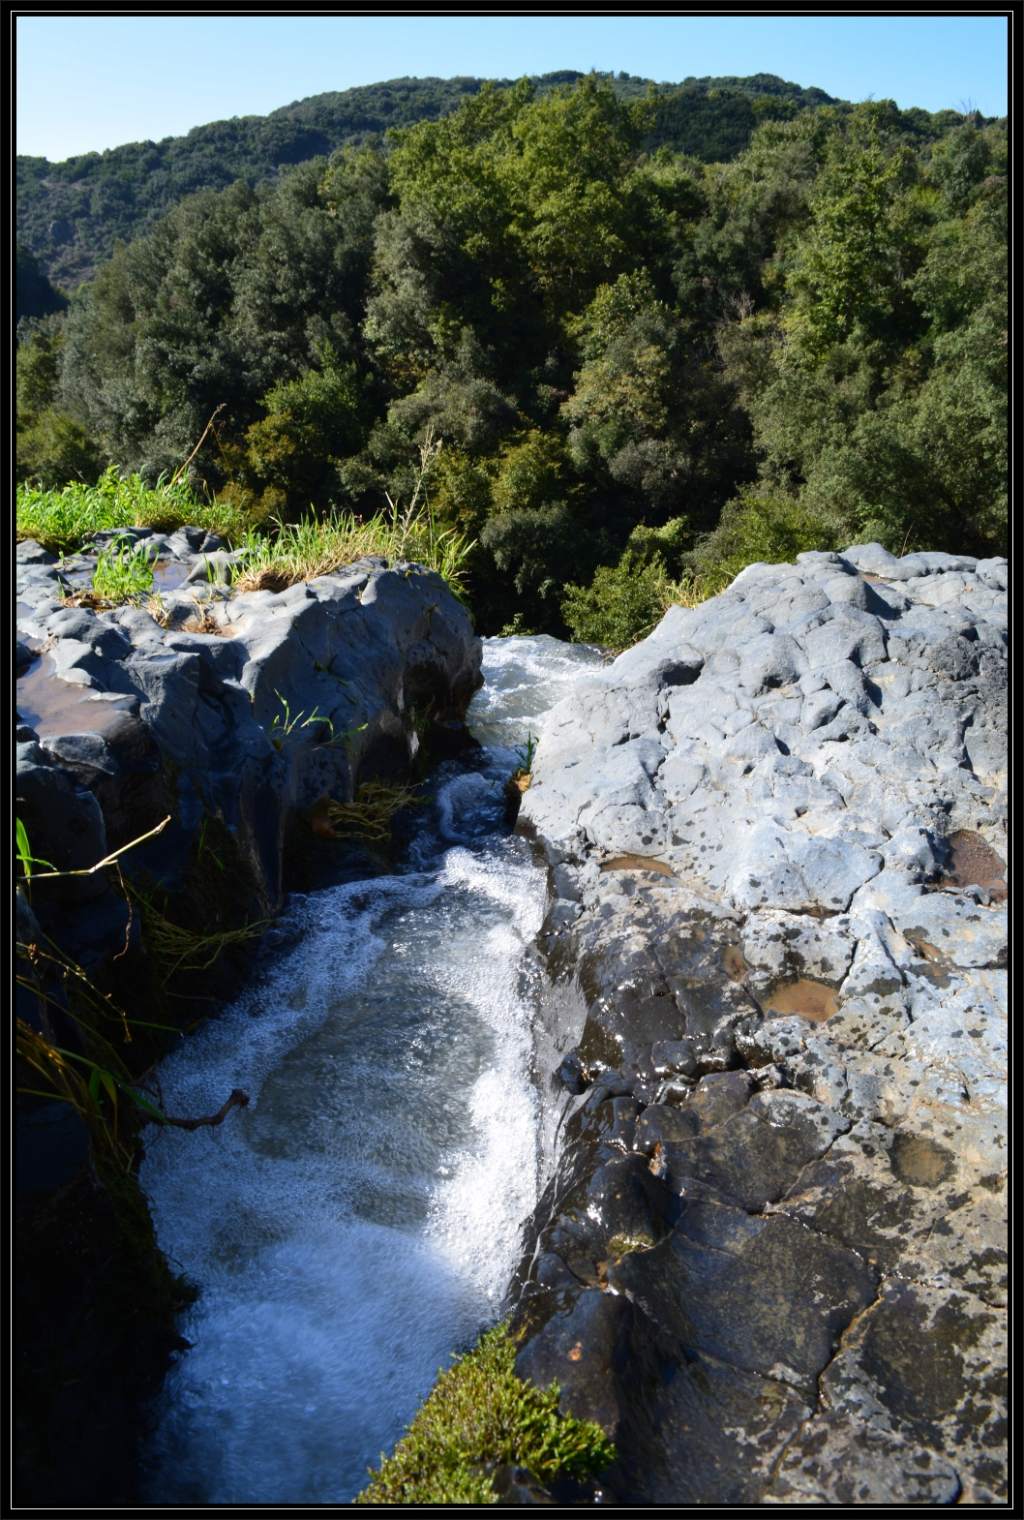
<point>771,1256</point>
<point>235,715</point>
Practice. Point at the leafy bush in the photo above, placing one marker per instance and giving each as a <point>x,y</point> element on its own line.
<point>480,1412</point>
<point>534,553</point>
<point>620,606</point>
<point>623,603</point>
<point>53,447</point>
<point>767,529</point>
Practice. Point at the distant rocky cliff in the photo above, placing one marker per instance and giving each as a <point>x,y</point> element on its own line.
<point>771,1258</point>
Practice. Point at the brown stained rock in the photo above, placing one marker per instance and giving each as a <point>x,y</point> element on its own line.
<point>55,707</point>
<point>806,998</point>
<point>637,863</point>
<point>918,1160</point>
<point>974,863</point>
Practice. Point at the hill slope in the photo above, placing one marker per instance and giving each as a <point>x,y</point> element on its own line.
<point>70,214</point>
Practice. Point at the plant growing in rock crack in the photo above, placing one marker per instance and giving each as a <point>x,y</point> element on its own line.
<point>204,848</point>
<point>523,773</point>
<point>160,614</point>
<point>284,726</point>
<point>95,1080</point>
<point>123,573</point>
<point>479,1416</point>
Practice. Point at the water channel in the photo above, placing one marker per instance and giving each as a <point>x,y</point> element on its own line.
<point>361,1219</point>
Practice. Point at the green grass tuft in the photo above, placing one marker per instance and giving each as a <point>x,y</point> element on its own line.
<point>123,573</point>
<point>480,1415</point>
<point>319,546</point>
<point>63,520</point>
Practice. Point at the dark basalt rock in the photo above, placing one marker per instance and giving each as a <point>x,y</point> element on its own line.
<point>134,720</point>
<point>771,1255</point>
<point>234,717</point>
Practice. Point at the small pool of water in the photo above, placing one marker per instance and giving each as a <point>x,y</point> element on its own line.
<point>56,708</point>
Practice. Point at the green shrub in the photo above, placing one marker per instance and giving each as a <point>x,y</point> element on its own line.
<point>761,529</point>
<point>480,1412</point>
<point>52,447</point>
<point>620,606</point>
<point>624,602</point>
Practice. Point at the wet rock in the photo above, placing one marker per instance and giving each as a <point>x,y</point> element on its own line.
<point>295,698</point>
<point>517,1485</point>
<point>807,1004</point>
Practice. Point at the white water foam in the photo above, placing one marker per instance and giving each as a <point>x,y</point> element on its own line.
<point>361,1219</point>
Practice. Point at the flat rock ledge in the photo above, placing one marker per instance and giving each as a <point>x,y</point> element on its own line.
<point>239,715</point>
<point>771,1258</point>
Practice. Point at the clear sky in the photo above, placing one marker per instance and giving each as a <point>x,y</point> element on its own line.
<point>87,82</point>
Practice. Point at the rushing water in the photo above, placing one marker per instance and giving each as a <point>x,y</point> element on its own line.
<point>360,1220</point>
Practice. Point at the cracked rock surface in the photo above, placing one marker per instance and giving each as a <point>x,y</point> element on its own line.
<point>771,1255</point>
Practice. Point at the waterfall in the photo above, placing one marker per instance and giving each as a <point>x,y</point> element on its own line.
<point>360,1220</point>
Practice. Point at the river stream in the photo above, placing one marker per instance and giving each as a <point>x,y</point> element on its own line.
<point>361,1219</point>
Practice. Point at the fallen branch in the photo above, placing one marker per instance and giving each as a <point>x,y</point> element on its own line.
<point>179,472</point>
<point>238,1099</point>
<point>107,860</point>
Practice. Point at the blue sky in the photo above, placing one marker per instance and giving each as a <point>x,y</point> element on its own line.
<point>85,83</point>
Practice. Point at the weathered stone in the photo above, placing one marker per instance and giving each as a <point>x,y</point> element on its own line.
<point>808,1006</point>
<point>299,698</point>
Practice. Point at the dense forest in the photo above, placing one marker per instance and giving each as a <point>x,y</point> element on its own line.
<point>71,214</point>
<point>609,360</point>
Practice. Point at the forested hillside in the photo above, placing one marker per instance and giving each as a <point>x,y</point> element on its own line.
<point>70,214</point>
<point>609,362</point>
<point>34,295</point>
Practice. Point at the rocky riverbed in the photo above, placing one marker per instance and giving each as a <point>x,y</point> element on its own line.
<point>771,1259</point>
<point>241,719</point>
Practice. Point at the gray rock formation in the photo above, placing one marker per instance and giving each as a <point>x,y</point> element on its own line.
<point>234,714</point>
<point>771,1258</point>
